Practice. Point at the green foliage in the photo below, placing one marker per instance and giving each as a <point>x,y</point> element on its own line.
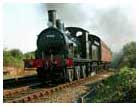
<point>12,58</point>
<point>15,57</point>
<point>29,55</point>
<point>16,53</point>
<point>129,55</point>
<point>118,88</point>
<point>126,57</point>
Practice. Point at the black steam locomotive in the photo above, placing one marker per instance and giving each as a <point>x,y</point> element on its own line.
<point>68,53</point>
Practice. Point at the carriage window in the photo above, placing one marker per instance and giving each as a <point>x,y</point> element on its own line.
<point>95,52</point>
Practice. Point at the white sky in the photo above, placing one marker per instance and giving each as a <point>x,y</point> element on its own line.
<point>22,22</point>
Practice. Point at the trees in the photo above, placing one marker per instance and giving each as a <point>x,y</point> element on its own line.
<point>126,57</point>
<point>16,53</point>
<point>12,58</point>
<point>29,55</point>
<point>129,55</point>
<point>8,60</point>
<point>15,57</point>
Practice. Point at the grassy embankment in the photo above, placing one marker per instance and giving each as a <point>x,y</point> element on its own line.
<point>120,87</point>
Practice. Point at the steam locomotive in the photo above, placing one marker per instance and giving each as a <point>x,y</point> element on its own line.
<point>68,53</point>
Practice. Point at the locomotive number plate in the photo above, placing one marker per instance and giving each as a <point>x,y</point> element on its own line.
<point>50,36</point>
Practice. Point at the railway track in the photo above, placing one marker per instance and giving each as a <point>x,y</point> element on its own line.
<point>9,92</point>
<point>19,82</point>
<point>33,94</point>
<point>27,86</point>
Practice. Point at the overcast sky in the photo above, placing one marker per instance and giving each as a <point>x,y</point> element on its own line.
<point>114,22</point>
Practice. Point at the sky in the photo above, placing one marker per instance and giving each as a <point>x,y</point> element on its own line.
<point>114,22</point>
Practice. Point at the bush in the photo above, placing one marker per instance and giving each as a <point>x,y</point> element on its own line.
<point>14,58</point>
<point>118,88</point>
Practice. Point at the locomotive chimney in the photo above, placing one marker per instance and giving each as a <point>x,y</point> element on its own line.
<point>52,17</point>
<point>60,25</point>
